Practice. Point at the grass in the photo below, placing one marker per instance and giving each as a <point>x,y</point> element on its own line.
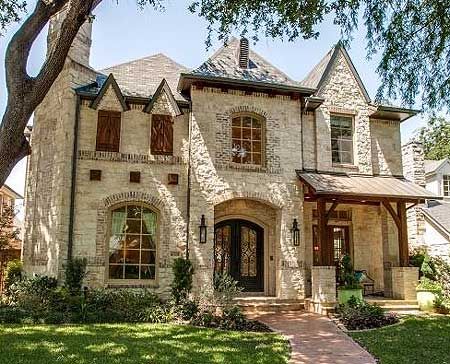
<point>416,340</point>
<point>137,343</point>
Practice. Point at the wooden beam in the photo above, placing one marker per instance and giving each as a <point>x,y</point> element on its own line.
<point>322,232</point>
<point>330,211</point>
<point>412,205</point>
<point>403,235</point>
<point>392,212</point>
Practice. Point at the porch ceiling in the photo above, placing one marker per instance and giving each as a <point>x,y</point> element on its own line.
<point>363,187</point>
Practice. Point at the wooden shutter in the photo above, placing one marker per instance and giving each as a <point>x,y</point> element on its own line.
<point>162,135</point>
<point>108,131</point>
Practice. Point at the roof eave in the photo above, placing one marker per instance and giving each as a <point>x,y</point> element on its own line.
<point>16,195</point>
<point>186,80</point>
<point>388,112</point>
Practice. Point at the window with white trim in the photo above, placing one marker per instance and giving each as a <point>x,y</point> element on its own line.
<point>341,139</point>
<point>446,185</point>
<point>132,243</point>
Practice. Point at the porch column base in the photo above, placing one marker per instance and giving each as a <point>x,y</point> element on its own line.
<point>404,282</point>
<point>323,279</point>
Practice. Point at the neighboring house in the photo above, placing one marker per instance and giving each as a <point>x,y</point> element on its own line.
<point>437,177</point>
<point>234,163</point>
<point>8,197</point>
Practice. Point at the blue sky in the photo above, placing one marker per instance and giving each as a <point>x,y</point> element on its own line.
<point>122,32</point>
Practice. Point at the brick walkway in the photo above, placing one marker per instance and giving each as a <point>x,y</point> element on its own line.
<point>315,339</point>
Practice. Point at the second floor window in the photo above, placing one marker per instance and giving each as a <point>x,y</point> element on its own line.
<point>342,139</point>
<point>162,135</point>
<point>247,140</point>
<point>446,185</point>
<point>108,131</point>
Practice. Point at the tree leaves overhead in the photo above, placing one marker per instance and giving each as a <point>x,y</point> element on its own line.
<point>435,138</point>
<point>10,11</point>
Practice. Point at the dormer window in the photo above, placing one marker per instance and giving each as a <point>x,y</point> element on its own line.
<point>341,139</point>
<point>446,185</point>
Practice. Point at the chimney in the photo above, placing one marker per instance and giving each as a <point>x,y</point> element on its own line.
<point>81,47</point>
<point>414,162</point>
<point>243,53</point>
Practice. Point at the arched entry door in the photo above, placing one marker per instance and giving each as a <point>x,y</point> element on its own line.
<point>239,251</point>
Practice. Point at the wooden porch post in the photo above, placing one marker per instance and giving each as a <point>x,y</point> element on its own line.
<point>402,235</point>
<point>322,232</point>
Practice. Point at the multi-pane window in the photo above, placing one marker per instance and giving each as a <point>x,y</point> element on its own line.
<point>247,139</point>
<point>446,185</point>
<point>342,139</point>
<point>132,245</point>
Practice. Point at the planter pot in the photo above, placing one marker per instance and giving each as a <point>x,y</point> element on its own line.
<point>425,300</point>
<point>344,295</point>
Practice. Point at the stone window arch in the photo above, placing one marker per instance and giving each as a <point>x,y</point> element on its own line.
<point>132,243</point>
<point>248,138</point>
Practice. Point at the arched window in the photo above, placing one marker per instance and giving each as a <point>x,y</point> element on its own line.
<point>132,243</point>
<point>247,139</point>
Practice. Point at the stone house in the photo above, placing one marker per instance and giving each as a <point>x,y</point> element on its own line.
<point>233,164</point>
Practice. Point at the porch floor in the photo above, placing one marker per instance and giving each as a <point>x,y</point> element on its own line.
<point>268,304</point>
<point>315,339</point>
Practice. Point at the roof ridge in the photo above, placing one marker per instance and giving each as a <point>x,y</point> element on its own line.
<point>144,58</point>
<point>272,65</point>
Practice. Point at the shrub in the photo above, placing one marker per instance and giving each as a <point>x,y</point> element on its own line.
<point>13,273</point>
<point>347,273</point>
<point>442,303</point>
<point>186,310</point>
<point>74,274</point>
<point>182,279</point>
<point>225,290</point>
<point>359,315</point>
<point>13,315</point>
<point>427,284</point>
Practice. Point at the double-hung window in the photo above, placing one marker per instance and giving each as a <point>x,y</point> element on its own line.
<point>342,139</point>
<point>446,185</point>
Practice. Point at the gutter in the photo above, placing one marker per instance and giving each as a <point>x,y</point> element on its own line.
<point>73,179</point>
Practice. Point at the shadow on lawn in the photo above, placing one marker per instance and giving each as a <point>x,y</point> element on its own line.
<point>137,343</point>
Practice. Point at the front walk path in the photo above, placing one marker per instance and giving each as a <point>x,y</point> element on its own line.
<point>315,339</point>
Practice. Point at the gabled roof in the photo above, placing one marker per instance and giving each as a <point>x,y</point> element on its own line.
<point>439,213</point>
<point>320,72</point>
<point>8,190</point>
<point>110,81</point>
<point>163,88</point>
<point>224,65</point>
<point>432,166</point>
<point>141,78</point>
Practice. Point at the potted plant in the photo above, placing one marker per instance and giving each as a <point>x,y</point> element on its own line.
<point>350,286</point>
<point>427,293</point>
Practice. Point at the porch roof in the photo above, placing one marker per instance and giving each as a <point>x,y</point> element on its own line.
<point>364,187</point>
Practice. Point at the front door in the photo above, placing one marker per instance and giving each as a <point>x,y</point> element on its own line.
<point>238,251</point>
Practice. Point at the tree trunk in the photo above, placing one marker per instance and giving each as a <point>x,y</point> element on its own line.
<point>25,93</point>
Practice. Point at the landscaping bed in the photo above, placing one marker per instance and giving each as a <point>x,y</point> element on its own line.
<point>416,340</point>
<point>137,343</point>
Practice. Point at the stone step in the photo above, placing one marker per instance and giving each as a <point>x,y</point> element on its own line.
<point>261,304</point>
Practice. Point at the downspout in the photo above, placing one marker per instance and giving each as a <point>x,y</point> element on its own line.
<point>188,193</point>
<point>73,179</point>
<point>302,134</point>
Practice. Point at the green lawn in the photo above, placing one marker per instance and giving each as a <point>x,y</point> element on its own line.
<point>416,340</point>
<point>137,343</point>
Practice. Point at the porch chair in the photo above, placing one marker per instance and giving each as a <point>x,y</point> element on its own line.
<point>366,281</point>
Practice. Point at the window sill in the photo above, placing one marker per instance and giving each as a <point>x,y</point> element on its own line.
<point>247,167</point>
<point>344,165</point>
<point>124,283</point>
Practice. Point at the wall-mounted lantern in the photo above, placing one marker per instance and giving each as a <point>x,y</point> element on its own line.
<point>203,230</point>
<point>295,233</point>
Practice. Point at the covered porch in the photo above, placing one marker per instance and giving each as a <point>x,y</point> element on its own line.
<point>365,217</point>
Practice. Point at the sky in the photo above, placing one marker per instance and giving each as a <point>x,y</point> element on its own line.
<point>122,32</point>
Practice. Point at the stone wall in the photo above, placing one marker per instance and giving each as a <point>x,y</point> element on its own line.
<point>414,170</point>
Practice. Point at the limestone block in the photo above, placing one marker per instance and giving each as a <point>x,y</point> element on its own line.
<point>404,282</point>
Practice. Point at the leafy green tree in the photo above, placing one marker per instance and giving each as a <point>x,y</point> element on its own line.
<point>435,138</point>
<point>413,37</point>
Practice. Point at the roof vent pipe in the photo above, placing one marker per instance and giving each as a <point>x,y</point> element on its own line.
<point>243,53</point>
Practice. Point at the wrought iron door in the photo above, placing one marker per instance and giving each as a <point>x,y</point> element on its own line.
<point>239,251</point>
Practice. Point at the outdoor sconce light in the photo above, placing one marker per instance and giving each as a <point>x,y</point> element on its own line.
<point>295,233</point>
<point>202,230</point>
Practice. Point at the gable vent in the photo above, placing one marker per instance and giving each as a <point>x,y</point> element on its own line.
<point>243,53</point>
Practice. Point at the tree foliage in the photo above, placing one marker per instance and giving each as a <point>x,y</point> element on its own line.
<point>8,231</point>
<point>412,37</point>
<point>435,138</point>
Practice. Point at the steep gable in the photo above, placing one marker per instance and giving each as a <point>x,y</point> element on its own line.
<point>337,60</point>
<point>110,96</point>
<point>163,101</point>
